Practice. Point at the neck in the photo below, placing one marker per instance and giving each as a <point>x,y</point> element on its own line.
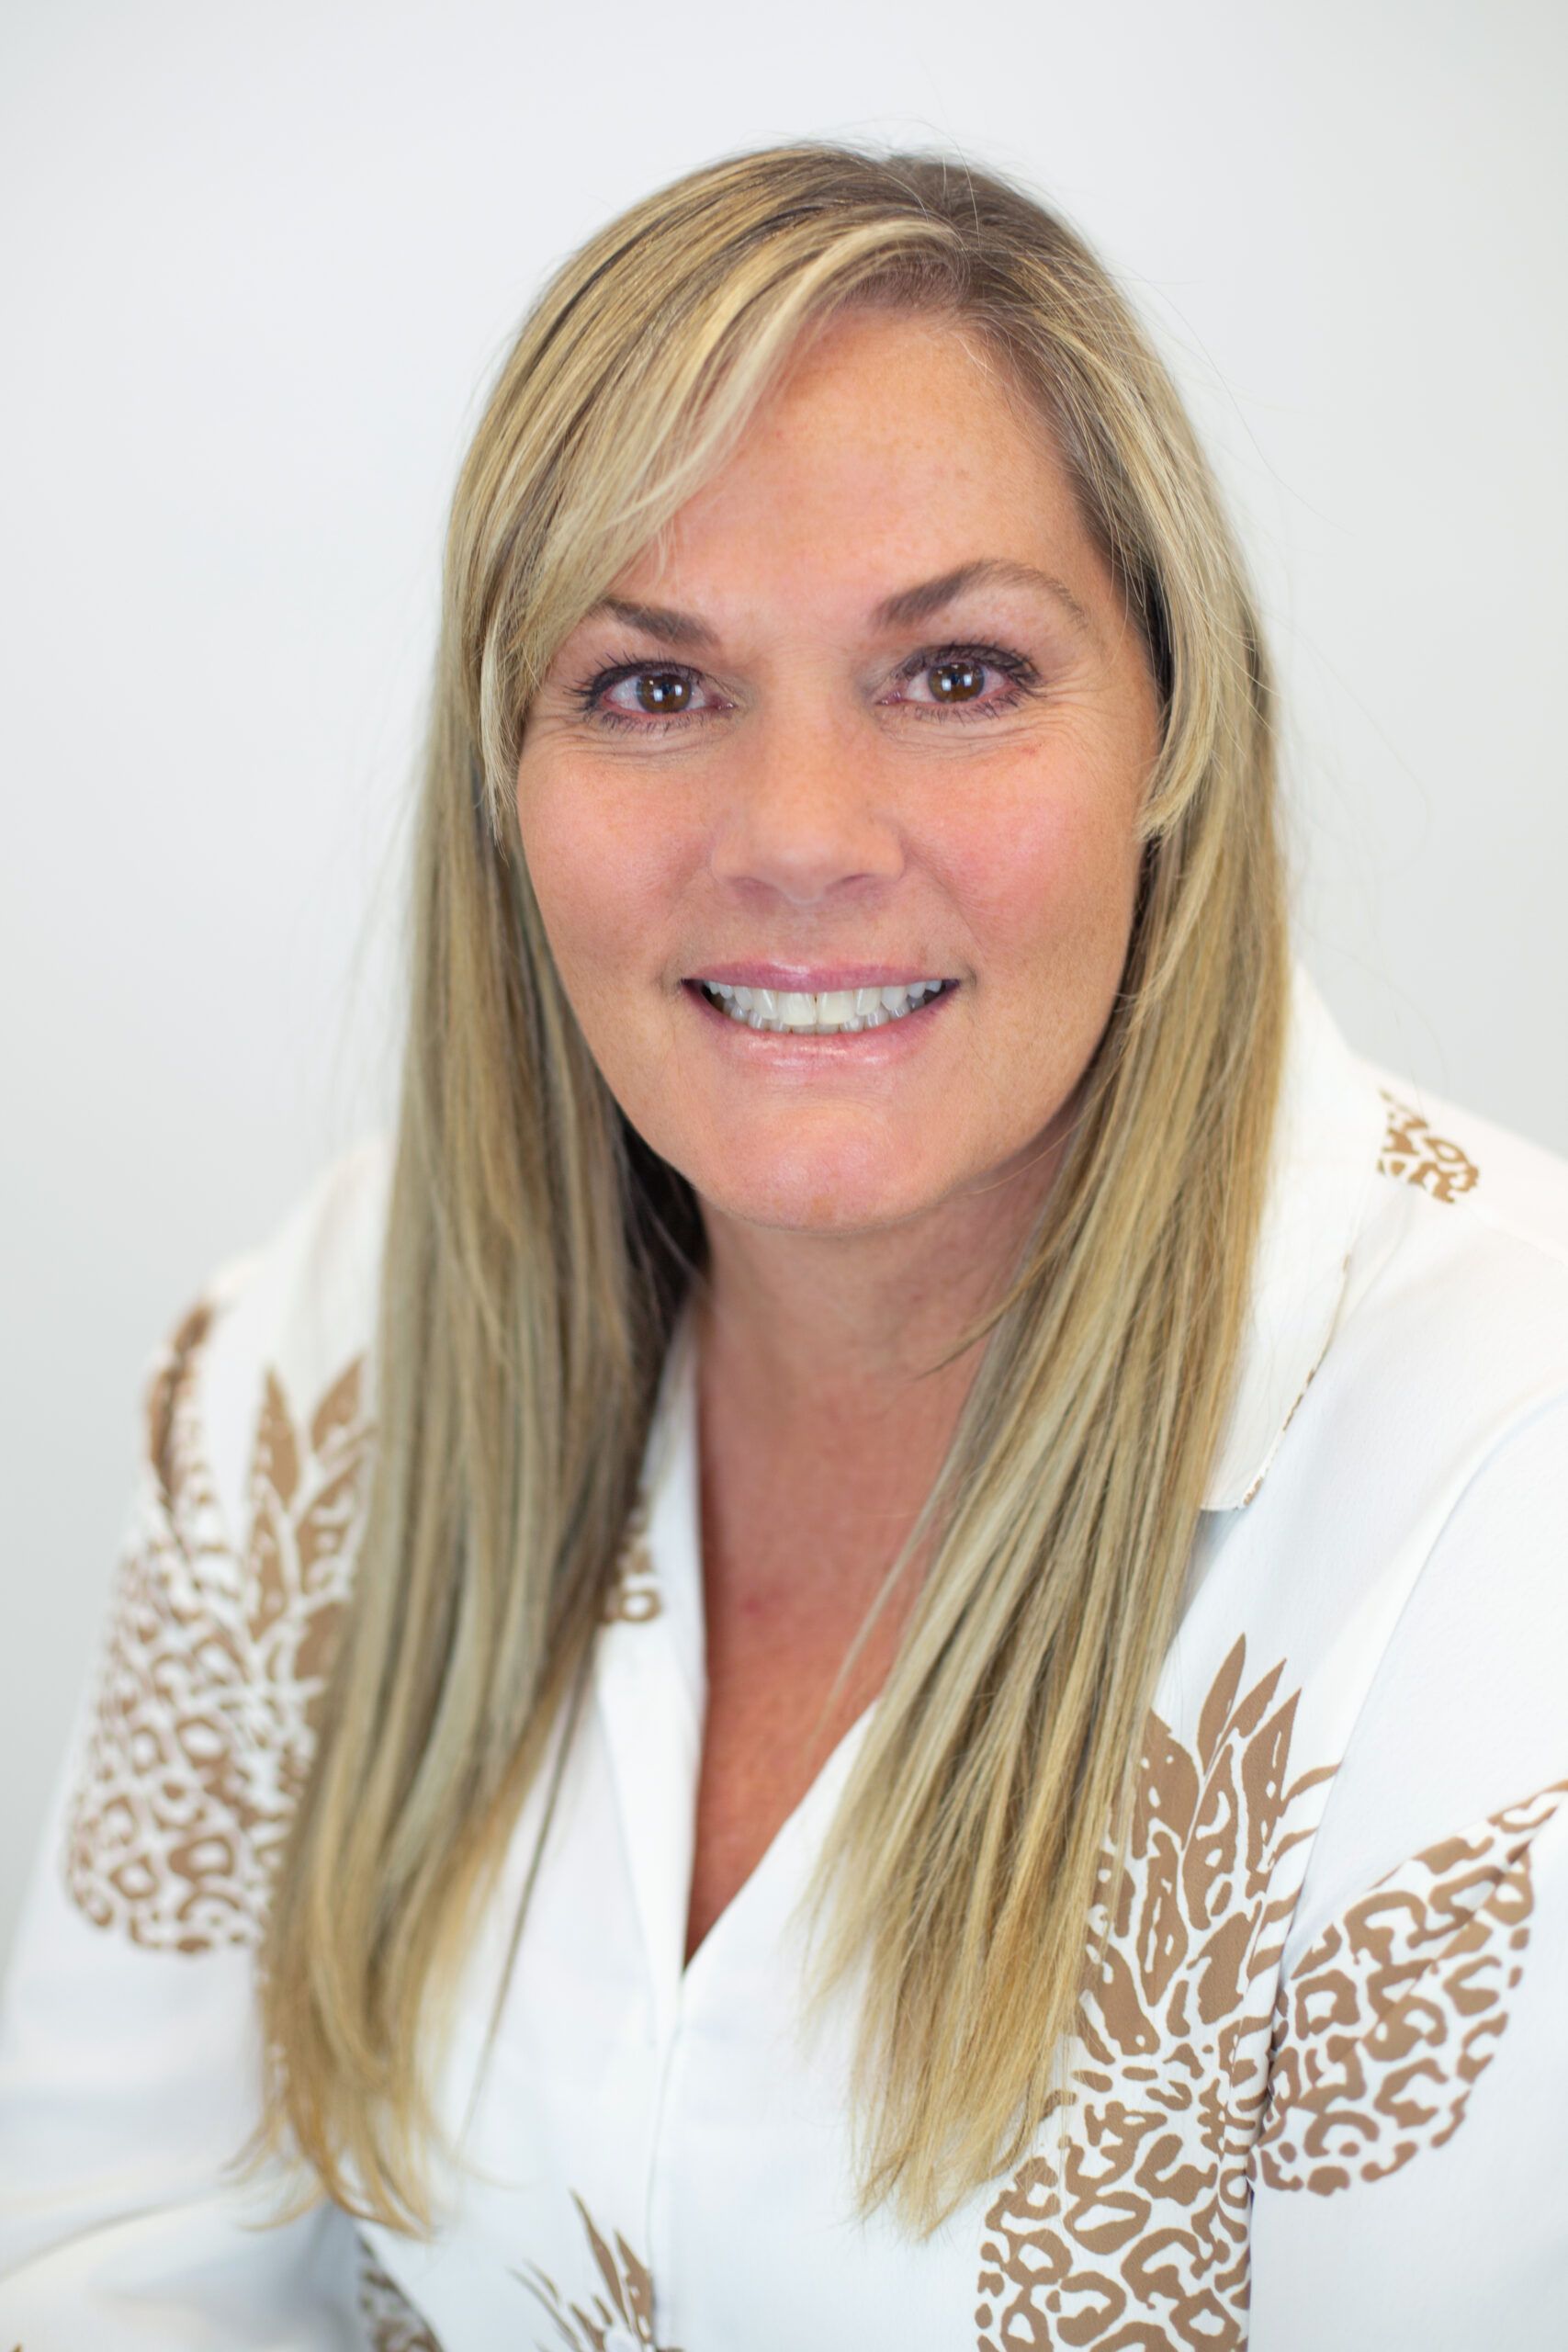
<point>830,1342</point>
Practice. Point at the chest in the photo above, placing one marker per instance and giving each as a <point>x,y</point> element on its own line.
<point>768,1730</point>
<point>716,2145</point>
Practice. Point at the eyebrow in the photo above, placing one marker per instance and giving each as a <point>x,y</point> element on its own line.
<point>906,609</point>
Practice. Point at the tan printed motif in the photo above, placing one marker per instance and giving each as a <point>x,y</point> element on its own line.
<point>216,1662</point>
<point>1396,2008</point>
<point>628,2312</point>
<point>1139,2237</point>
<point>391,2320</point>
<point>633,1596</point>
<point>1413,1153</point>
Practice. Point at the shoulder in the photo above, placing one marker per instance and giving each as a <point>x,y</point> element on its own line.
<point>1433,1446</point>
<point>1456,1309</point>
<point>1429,1494</point>
<point>280,1333</point>
<point>1448,1339</point>
<point>1406,1546</point>
<point>237,1560</point>
<point>1498,1181</point>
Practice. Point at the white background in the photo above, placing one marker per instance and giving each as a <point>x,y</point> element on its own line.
<point>258,263</point>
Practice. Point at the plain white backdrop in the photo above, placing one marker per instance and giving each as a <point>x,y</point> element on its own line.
<point>257,264</point>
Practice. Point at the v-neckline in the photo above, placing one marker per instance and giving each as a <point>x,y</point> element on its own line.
<point>650,1688</point>
<point>831,1770</point>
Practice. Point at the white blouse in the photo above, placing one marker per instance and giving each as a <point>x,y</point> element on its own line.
<point>1322,2084</point>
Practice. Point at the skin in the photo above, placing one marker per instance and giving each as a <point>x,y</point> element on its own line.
<point>820,802</point>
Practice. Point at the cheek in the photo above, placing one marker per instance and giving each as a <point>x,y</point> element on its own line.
<point>600,872</point>
<point>1050,888</point>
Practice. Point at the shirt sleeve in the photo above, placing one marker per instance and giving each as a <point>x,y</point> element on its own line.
<point>1409,2181</point>
<point>129,2050</point>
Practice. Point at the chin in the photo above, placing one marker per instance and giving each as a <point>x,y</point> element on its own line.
<point>825,1198</point>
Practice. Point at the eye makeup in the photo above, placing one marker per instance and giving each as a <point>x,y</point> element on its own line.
<point>1018,675</point>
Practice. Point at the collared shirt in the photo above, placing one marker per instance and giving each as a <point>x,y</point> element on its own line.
<point>1320,2086</point>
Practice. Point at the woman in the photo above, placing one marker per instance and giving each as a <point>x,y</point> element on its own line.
<point>932,1720</point>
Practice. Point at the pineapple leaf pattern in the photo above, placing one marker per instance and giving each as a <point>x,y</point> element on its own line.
<point>1135,2233</point>
<point>1199,2073</point>
<point>391,2321</point>
<point>216,1661</point>
<point>619,2317</point>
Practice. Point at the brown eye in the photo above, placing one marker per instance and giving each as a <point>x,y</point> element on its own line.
<point>956,681</point>
<point>661,691</point>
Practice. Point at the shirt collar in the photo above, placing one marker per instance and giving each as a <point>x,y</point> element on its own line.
<point>1324,1166</point>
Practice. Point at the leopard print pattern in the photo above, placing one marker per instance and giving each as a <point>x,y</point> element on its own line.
<point>1394,2011</point>
<point>216,1661</point>
<point>1414,1155</point>
<point>392,2322</point>
<point>1146,2212</point>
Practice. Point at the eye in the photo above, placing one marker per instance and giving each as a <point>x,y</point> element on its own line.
<point>952,681</point>
<point>648,695</point>
<point>661,692</point>
<point>960,680</point>
<point>964,680</point>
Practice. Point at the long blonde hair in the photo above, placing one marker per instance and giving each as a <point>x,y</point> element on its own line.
<point>538,1254</point>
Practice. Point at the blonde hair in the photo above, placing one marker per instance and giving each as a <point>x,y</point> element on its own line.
<point>538,1254</point>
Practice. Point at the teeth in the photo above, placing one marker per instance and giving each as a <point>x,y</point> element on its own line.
<point>821,1015</point>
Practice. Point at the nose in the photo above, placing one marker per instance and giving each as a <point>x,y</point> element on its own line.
<point>805,813</point>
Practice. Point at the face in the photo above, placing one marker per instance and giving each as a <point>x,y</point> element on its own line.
<point>872,714</point>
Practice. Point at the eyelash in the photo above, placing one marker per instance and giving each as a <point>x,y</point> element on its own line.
<point>1016,667</point>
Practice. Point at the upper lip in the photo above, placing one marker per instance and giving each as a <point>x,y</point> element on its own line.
<point>816,980</point>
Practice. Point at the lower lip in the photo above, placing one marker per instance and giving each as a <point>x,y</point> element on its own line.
<point>863,1048</point>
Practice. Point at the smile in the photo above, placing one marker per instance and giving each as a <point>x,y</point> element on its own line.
<point>796,1014</point>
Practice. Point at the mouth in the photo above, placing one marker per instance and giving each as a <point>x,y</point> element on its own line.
<point>827,1012</point>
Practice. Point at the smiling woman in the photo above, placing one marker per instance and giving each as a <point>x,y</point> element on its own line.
<point>843,803</point>
<point>860,1649</point>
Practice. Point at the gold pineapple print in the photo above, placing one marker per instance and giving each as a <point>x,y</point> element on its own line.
<point>620,2318</point>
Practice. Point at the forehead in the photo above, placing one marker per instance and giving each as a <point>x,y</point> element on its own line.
<point>891,448</point>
